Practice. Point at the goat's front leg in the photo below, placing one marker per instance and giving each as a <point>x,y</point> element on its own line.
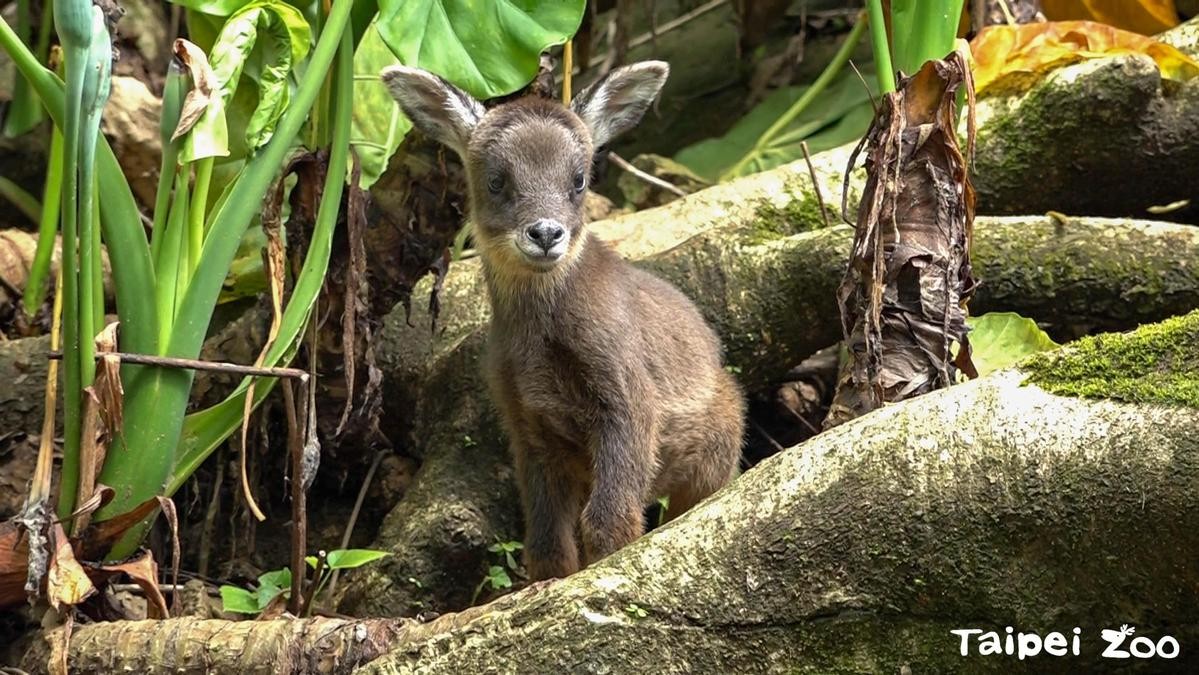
<point>623,451</point>
<point>552,498</point>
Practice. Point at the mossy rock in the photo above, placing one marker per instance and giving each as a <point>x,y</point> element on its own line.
<point>1153,364</point>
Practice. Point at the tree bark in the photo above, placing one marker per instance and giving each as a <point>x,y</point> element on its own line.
<point>985,505</point>
<point>772,299</point>
<point>990,504</point>
<point>1102,137</point>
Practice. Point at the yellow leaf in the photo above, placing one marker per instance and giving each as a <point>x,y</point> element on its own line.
<point>1012,58</point>
<point>1147,17</point>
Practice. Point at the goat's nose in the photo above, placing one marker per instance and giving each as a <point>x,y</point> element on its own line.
<point>546,233</point>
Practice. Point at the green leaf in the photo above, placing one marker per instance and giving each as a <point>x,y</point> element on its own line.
<point>278,35</point>
<point>378,125</point>
<point>498,577</point>
<point>271,584</point>
<point>212,7</point>
<point>239,600</point>
<point>351,558</point>
<point>842,114</point>
<point>487,47</point>
<point>1000,339</point>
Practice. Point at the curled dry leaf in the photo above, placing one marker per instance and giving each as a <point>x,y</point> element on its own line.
<point>198,98</point>
<point>903,297</point>
<point>67,583</point>
<point>143,571</point>
<point>102,417</point>
<point>1012,58</point>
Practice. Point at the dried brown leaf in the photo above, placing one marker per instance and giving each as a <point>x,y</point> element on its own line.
<point>67,583</point>
<point>903,297</point>
<point>143,571</point>
<point>200,96</point>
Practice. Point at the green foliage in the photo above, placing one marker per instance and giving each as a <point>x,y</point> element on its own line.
<point>773,133</point>
<point>487,47</point>
<point>921,30</point>
<point>378,125</point>
<point>278,35</point>
<point>506,549</point>
<point>842,114</point>
<point>1000,339</point>
<point>636,611</point>
<point>344,559</point>
<point>277,583</point>
<point>497,577</point>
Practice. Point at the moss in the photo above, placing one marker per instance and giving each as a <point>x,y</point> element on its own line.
<point>1153,364</point>
<point>799,214</point>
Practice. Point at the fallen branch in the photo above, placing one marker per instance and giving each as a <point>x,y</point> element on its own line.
<point>988,504</point>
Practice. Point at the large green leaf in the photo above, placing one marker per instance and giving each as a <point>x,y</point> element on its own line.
<point>278,35</point>
<point>487,47</point>
<point>378,125</point>
<point>212,7</point>
<point>1000,339</point>
<point>841,115</point>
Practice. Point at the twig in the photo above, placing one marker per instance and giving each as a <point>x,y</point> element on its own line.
<point>345,536</point>
<point>815,183</point>
<point>567,66</point>
<point>652,180</point>
<point>210,517</point>
<point>764,434</point>
<point>195,364</point>
<point>299,524</point>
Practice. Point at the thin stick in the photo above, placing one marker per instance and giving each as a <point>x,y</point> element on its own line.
<point>568,59</point>
<point>195,364</point>
<point>345,536</point>
<point>815,183</point>
<point>652,180</point>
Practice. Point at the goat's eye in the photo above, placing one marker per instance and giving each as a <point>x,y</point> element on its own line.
<point>580,182</point>
<point>495,184</point>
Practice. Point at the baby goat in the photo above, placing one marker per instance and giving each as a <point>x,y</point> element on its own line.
<point>608,381</point>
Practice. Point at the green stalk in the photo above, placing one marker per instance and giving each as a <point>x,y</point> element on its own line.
<point>831,71</point>
<point>97,278</point>
<point>94,93</point>
<point>169,264</point>
<point>207,429</point>
<point>20,198</point>
<point>923,30</point>
<point>73,18</point>
<point>35,287</point>
<point>154,412</point>
<point>882,51</point>
<point>121,222</point>
<point>199,202</point>
<point>172,103</point>
<point>24,113</point>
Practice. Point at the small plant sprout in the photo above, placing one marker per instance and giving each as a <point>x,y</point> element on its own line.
<point>636,611</point>
<point>505,549</point>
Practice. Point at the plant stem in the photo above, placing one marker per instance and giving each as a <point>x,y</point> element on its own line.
<point>199,202</point>
<point>20,198</point>
<point>831,71</point>
<point>882,51</point>
<point>35,287</point>
<point>72,344</point>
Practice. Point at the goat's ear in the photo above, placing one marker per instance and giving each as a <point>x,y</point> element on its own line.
<point>616,103</point>
<point>436,107</point>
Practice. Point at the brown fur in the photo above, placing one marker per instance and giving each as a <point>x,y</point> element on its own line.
<point>608,380</point>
